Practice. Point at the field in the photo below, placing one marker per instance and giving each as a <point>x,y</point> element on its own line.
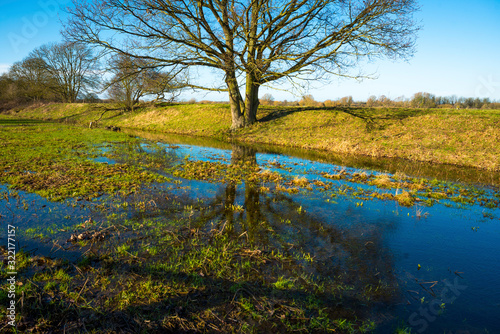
<point>150,260</point>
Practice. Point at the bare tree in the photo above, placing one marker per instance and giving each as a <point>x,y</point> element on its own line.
<point>8,91</point>
<point>136,78</point>
<point>253,42</point>
<point>31,79</point>
<point>267,99</point>
<point>72,67</point>
<point>346,101</point>
<point>423,100</point>
<point>372,101</point>
<point>308,101</point>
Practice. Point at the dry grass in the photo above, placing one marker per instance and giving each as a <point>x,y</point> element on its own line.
<point>383,181</point>
<point>467,138</point>
<point>405,199</point>
<point>300,181</point>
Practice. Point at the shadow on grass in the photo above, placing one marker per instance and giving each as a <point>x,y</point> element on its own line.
<point>285,111</point>
<point>211,305</point>
<point>76,118</point>
<point>17,122</point>
<point>225,304</point>
<point>374,118</point>
<point>176,291</point>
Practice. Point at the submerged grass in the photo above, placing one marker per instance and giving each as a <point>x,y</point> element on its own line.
<point>405,190</point>
<point>176,265</point>
<point>186,276</point>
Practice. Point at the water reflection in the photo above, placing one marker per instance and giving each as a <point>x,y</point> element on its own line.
<point>390,165</point>
<point>357,258</point>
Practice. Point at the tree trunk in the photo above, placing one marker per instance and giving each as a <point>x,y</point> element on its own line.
<point>252,82</point>
<point>252,208</point>
<point>230,198</point>
<point>251,100</point>
<point>241,155</point>
<point>237,115</point>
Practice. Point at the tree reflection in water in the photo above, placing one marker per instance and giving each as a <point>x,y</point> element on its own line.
<point>351,258</point>
<point>335,255</point>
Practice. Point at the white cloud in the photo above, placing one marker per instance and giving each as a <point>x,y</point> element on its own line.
<point>4,68</point>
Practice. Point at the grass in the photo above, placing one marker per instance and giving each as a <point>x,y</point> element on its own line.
<point>400,188</point>
<point>57,162</point>
<point>193,280</point>
<point>448,136</point>
<point>466,138</point>
<point>169,268</point>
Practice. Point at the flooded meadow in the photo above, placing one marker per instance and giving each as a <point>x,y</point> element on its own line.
<point>142,232</point>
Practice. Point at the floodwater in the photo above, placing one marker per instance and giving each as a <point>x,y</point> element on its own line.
<point>440,262</point>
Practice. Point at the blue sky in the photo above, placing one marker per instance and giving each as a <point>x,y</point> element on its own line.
<point>458,51</point>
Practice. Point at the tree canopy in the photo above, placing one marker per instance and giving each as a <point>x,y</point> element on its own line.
<point>252,42</point>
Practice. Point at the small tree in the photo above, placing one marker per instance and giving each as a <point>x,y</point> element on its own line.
<point>423,100</point>
<point>346,101</point>
<point>330,103</point>
<point>135,78</point>
<point>307,101</point>
<point>267,100</point>
<point>372,101</point>
<point>385,101</point>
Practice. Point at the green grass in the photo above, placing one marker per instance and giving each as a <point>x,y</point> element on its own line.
<point>400,188</point>
<point>165,273</point>
<point>57,162</point>
<point>457,137</point>
<point>464,137</point>
<point>182,265</point>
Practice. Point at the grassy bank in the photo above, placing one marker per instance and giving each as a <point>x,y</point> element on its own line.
<point>58,162</point>
<point>457,137</point>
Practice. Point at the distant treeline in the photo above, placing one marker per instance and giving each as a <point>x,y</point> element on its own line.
<point>70,72</point>
<point>418,100</point>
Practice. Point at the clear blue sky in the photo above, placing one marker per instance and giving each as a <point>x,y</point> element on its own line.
<point>458,51</point>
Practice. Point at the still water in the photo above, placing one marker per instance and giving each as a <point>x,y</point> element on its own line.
<point>439,263</point>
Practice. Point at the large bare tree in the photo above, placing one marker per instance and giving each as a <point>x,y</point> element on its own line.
<point>253,42</point>
<point>72,67</point>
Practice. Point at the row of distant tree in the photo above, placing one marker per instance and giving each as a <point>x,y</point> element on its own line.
<point>71,72</point>
<point>418,100</point>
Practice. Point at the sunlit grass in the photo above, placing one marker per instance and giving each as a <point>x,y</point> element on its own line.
<point>459,137</point>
